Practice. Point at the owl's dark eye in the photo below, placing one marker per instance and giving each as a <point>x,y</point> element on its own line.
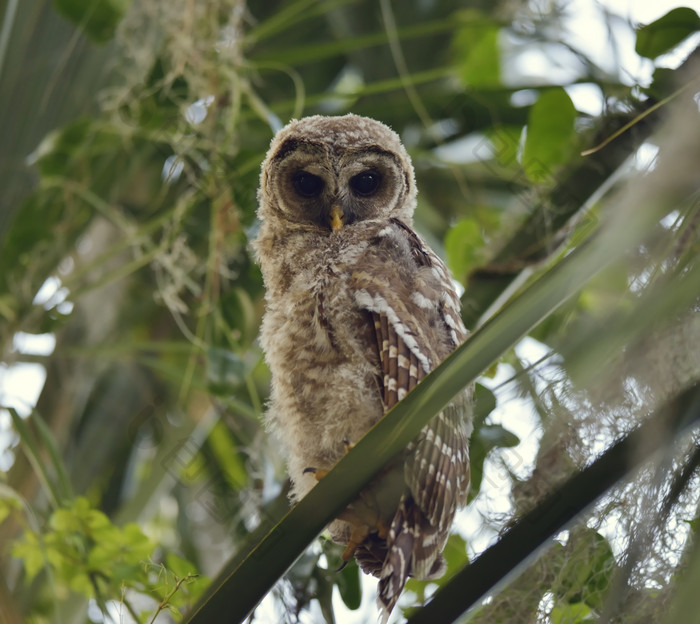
<point>365,183</point>
<point>307,184</point>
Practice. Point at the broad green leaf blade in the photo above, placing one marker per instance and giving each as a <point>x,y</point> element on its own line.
<point>484,403</point>
<point>33,451</point>
<point>98,19</point>
<point>550,135</point>
<point>667,32</point>
<point>476,49</point>
<point>228,456</point>
<point>62,486</point>
<point>573,613</point>
<point>463,247</point>
<point>350,586</point>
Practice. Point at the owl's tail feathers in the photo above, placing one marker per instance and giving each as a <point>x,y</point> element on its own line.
<point>414,549</point>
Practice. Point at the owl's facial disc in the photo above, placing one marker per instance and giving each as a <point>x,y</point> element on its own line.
<point>331,203</point>
<point>331,187</point>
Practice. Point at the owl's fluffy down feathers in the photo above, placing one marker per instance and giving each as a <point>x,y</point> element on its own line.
<point>355,317</point>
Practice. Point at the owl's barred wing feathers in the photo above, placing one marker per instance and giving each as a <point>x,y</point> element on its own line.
<point>413,334</point>
<point>401,370</point>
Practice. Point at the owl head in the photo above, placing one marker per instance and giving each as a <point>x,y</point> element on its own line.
<point>326,173</point>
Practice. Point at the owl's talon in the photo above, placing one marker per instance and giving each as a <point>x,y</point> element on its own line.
<point>319,473</point>
<point>357,536</point>
<point>348,445</point>
<point>382,529</point>
<point>349,552</point>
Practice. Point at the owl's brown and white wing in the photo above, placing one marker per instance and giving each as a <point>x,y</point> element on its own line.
<point>415,312</point>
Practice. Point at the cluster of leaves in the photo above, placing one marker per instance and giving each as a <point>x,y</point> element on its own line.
<point>143,211</point>
<point>82,551</point>
<point>85,550</point>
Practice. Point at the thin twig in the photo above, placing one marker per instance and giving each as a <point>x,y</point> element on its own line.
<point>638,118</point>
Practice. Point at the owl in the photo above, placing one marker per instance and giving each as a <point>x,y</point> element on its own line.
<point>358,310</point>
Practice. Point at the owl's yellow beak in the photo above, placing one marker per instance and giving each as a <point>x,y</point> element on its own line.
<point>336,217</point>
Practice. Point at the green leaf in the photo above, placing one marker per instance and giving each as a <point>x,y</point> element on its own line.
<point>571,613</point>
<point>80,583</point>
<point>104,556</point>
<point>492,436</point>
<point>663,82</point>
<point>34,244</point>
<point>590,564</point>
<point>551,135</point>
<point>484,404</point>
<point>324,596</point>
<point>64,521</point>
<point>349,586</point>
<point>137,542</point>
<point>455,553</point>
<point>63,485</point>
<point>463,243</point>
<point>484,439</point>
<point>228,456</point>
<point>667,32</point>
<point>161,99</point>
<point>345,575</point>
<point>506,143</point>
<point>98,18</point>
<point>178,570</point>
<point>67,151</point>
<point>476,49</point>
<point>98,523</point>
<point>33,452</point>
<point>28,549</point>
<point>179,566</point>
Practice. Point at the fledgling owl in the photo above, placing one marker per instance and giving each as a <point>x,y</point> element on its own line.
<point>358,310</point>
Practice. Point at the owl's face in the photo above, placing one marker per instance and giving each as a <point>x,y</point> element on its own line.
<point>327,173</point>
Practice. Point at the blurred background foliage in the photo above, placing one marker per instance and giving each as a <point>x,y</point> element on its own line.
<point>133,459</point>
